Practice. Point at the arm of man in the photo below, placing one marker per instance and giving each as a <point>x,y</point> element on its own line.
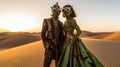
<point>43,33</point>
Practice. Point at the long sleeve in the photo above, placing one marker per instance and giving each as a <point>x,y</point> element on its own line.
<point>44,30</point>
<point>43,34</point>
<point>75,26</point>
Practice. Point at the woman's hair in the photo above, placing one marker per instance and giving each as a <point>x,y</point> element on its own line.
<point>73,12</point>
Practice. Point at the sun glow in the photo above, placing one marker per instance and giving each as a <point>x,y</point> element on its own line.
<point>15,22</point>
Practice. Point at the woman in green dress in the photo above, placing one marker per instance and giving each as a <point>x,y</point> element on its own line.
<point>73,52</point>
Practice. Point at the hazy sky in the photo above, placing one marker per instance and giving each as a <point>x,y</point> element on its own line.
<point>92,15</point>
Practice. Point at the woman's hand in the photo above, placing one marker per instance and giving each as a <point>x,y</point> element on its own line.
<point>71,37</point>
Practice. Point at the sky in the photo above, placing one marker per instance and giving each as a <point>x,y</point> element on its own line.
<point>92,15</point>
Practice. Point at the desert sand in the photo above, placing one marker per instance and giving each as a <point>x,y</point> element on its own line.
<point>105,50</point>
<point>32,54</point>
<point>29,55</point>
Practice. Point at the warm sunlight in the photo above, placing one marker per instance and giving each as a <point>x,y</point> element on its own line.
<point>15,22</point>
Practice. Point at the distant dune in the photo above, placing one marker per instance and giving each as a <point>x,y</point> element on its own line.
<point>98,35</point>
<point>101,36</point>
<point>32,54</point>
<point>115,36</point>
<point>86,34</point>
<point>32,30</point>
<point>4,30</point>
<point>8,40</point>
<point>107,36</point>
<point>21,38</point>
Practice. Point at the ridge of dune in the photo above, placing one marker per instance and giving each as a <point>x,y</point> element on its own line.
<point>100,36</point>
<point>22,50</point>
<point>115,36</point>
<point>107,36</point>
<point>16,39</point>
<point>29,55</point>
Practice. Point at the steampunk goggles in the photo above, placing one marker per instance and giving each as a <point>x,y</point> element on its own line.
<point>66,9</point>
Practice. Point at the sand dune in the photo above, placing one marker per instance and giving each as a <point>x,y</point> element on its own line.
<point>8,40</point>
<point>31,55</point>
<point>100,36</point>
<point>107,36</point>
<point>86,34</point>
<point>90,34</point>
<point>115,36</point>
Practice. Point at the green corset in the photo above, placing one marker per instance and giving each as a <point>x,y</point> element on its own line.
<point>71,25</point>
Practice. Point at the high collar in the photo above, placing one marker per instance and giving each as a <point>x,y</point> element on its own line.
<point>55,17</point>
<point>69,17</point>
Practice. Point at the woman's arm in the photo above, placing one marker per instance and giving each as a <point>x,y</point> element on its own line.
<point>76,27</point>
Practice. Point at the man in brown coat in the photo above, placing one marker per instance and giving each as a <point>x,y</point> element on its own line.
<point>52,36</point>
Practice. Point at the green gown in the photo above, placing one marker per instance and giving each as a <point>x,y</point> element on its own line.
<point>73,52</point>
